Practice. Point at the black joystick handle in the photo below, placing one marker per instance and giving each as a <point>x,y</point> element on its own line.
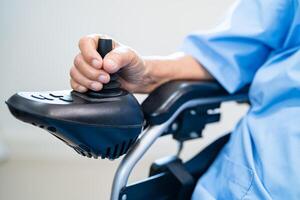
<point>113,87</point>
<point>104,47</point>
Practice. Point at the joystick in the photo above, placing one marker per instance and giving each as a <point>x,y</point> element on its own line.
<point>112,88</point>
<point>104,123</point>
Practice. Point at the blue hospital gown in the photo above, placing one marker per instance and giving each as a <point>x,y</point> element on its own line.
<point>258,44</point>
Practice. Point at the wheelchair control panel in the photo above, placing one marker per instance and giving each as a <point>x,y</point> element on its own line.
<point>104,123</point>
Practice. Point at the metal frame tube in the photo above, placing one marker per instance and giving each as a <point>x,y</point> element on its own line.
<point>132,157</point>
<point>148,137</point>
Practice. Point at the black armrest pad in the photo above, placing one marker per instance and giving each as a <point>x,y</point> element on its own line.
<point>166,99</point>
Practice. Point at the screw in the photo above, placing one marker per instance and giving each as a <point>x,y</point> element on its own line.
<point>174,126</point>
<point>124,197</point>
<point>194,134</point>
<point>193,112</point>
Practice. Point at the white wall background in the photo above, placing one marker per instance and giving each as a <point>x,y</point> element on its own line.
<point>38,40</point>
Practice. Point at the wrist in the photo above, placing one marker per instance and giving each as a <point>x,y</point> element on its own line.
<point>177,66</point>
<point>156,70</point>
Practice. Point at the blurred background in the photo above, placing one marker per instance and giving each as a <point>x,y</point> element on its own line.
<point>38,40</point>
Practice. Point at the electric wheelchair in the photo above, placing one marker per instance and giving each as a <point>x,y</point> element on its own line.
<point>111,123</point>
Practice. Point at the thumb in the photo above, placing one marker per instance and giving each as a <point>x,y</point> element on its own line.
<point>119,57</point>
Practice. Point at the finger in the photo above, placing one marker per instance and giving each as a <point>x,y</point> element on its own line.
<point>119,57</point>
<point>90,72</point>
<point>77,87</point>
<point>82,80</point>
<point>88,47</point>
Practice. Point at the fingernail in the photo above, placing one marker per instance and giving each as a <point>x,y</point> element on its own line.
<point>81,89</point>
<point>111,64</point>
<point>96,63</point>
<point>96,86</point>
<point>102,78</point>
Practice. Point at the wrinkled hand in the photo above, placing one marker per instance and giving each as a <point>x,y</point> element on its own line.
<point>90,71</point>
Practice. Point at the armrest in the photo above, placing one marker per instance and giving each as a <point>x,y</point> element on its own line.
<point>163,102</point>
<point>164,106</point>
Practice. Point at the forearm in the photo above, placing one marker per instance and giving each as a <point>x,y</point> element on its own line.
<point>178,66</point>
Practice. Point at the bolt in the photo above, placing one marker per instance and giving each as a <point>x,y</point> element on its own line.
<point>174,126</point>
<point>193,112</point>
<point>194,134</point>
<point>124,197</point>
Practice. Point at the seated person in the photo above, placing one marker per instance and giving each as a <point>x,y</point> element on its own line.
<point>257,44</point>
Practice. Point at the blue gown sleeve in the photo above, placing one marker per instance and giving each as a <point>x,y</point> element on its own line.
<point>233,51</point>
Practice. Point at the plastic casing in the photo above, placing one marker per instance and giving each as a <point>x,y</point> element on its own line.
<point>103,127</point>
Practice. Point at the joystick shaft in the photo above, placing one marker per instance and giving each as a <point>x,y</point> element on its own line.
<point>112,88</point>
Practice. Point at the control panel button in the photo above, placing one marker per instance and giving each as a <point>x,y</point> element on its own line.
<point>47,98</point>
<point>67,98</point>
<point>38,97</point>
<point>55,95</point>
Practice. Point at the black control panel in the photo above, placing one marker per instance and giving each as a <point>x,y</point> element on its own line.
<point>104,123</point>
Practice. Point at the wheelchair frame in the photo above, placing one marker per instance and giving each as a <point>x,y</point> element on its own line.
<point>120,190</point>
